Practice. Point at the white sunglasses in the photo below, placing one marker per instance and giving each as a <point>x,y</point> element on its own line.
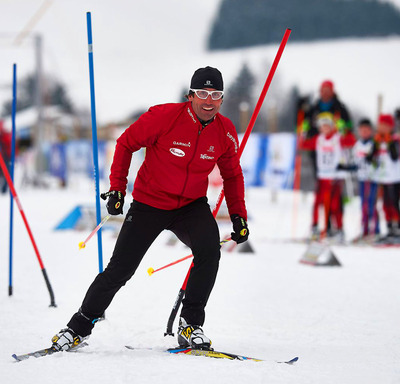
<point>203,94</point>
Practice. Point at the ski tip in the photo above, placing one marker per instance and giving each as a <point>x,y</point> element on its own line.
<point>292,361</point>
<point>15,357</point>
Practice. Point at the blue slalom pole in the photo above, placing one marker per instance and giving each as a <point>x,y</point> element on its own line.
<point>94,138</point>
<point>12,162</point>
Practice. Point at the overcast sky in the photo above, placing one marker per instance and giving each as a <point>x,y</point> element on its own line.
<point>145,51</point>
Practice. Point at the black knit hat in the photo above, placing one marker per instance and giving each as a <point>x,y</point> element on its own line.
<point>207,77</point>
<point>365,121</point>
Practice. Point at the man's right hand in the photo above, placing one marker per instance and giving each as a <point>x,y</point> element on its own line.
<point>115,202</point>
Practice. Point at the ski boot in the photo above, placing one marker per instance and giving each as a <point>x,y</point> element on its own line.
<point>66,339</point>
<point>192,336</point>
<point>315,233</point>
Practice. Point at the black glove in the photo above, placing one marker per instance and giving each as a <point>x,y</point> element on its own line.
<point>241,231</point>
<point>115,202</point>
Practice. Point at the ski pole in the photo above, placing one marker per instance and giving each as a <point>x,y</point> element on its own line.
<point>150,271</point>
<point>16,199</point>
<point>82,244</point>
<point>12,162</point>
<point>253,119</point>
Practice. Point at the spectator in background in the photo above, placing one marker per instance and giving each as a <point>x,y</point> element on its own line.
<point>327,102</point>
<point>328,148</point>
<point>397,119</point>
<point>385,157</point>
<point>368,187</point>
<point>5,150</point>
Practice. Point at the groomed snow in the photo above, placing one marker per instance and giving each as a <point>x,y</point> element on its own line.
<point>341,321</point>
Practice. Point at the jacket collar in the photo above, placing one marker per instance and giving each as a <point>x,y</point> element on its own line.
<point>194,118</point>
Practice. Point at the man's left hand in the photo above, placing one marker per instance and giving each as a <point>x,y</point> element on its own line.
<point>115,202</point>
<point>241,230</point>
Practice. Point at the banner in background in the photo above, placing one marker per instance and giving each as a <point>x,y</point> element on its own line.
<point>76,157</point>
<point>280,154</point>
<point>268,160</point>
<point>250,158</point>
<point>58,161</point>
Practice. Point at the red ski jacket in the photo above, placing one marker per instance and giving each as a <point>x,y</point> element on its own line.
<point>180,154</point>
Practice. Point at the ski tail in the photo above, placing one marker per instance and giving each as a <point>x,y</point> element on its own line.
<point>210,353</point>
<point>221,355</point>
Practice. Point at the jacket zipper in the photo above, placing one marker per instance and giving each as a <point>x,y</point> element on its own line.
<point>188,165</point>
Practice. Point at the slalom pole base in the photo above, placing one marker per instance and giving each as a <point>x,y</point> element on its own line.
<point>46,279</point>
<point>10,291</point>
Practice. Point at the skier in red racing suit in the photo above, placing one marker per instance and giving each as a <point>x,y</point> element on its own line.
<point>183,143</point>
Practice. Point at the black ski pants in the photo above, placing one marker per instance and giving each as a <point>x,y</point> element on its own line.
<point>193,224</point>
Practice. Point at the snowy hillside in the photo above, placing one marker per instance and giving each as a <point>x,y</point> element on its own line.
<point>340,321</point>
<point>146,52</point>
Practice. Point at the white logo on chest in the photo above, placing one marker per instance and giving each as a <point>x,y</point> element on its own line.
<point>206,157</point>
<point>177,152</point>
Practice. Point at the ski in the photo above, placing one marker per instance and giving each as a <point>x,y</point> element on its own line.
<point>39,353</point>
<point>44,352</point>
<point>213,354</point>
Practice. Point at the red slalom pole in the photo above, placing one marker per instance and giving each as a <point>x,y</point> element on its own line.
<point>15,196</point>
<point>257,108</point>
<point>242,145</point>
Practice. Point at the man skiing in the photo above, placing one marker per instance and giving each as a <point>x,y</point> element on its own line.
<point>183,143</point>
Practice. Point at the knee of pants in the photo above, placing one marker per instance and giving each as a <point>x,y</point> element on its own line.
<point>118,273</point>
<point>207,252</point>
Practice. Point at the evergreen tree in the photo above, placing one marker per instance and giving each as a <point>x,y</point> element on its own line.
<point>238,95</point>
<point>54,93</point>
<point>253,22</point>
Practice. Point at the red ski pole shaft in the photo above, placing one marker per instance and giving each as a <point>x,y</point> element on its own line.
<point>150,271</point>
<point>82,244</point>
<point>15,196</point>
<point>243,143</point>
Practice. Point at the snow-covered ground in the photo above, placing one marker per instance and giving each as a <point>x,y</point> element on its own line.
<point>341,321</point>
